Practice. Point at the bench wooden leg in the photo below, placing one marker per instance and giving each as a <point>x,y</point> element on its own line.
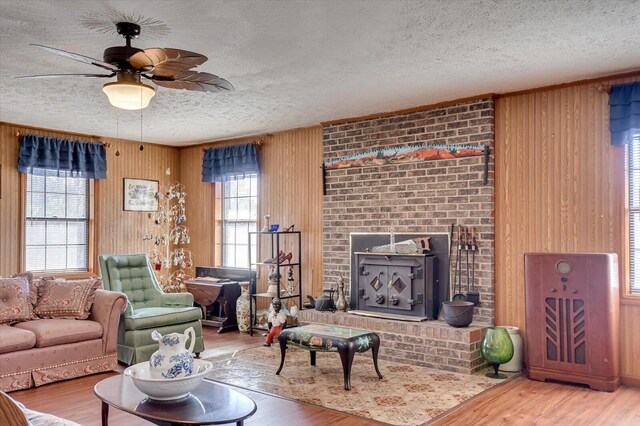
<point>283,351</point>
<point>313,357</point>
<point>346,356</point>
<point>374,350</point>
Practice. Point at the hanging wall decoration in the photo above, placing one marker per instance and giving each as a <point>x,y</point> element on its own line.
<point>140,195</point>
<point>172,262</point>
<point>406,154</point>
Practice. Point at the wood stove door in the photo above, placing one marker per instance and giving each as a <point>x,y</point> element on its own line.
<point>373,285</point>
<point>400,286</point>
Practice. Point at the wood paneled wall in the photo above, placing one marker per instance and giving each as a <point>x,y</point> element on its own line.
<point>121,231</point>
<point>560,187</point>
<point>117,231</point>
<point>290,192</point>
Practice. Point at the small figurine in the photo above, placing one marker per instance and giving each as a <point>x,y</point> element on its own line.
<point>265,223</point>
<point>276,321</point>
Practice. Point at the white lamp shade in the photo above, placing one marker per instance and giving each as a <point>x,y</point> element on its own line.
<point>129,95</point>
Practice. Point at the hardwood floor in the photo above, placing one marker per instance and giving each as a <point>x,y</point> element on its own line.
<point>518,402</point>
<point>527,402</point>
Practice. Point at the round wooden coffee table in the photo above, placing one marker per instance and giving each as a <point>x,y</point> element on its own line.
<point>209,404</point>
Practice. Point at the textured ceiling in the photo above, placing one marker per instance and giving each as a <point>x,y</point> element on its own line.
<point>297,63</point>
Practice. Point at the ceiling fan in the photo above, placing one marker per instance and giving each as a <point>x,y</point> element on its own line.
<point>166,67</point>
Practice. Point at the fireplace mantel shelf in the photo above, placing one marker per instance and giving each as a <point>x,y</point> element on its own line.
<point>391,254</point>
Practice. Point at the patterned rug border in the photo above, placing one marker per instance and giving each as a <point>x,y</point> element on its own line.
<point>297,401</point>
<point>222,357</point>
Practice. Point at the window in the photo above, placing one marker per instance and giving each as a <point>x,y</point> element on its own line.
<point>57,223</point>
<point>634,214</point>
<point>239,216</point>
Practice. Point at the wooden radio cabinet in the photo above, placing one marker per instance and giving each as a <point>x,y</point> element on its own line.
<point>572,318</point>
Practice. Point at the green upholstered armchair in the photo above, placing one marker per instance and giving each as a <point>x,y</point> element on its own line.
<point>149,308</point>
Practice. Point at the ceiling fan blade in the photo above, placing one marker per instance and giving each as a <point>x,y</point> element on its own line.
<point>196,81</point>
<point>77,57</point>
<point>68,75</point>
<point>166,62</point>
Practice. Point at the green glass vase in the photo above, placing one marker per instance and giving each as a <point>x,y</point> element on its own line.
<point>497,348</point>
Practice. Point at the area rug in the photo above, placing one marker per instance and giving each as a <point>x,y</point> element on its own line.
<point>407,395</point>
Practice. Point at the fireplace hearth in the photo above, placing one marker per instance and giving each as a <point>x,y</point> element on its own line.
<point>431,344</point>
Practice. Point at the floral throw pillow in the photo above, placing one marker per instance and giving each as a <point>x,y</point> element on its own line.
<point>69,299</point>
<point>33,290</point>
<point>14,302</point>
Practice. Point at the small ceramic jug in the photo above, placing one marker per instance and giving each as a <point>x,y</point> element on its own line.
<point>172,359</point>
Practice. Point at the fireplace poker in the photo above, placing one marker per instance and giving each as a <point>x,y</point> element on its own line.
<point>473,295</point>
<point>467,247</point>
<point>459,295</point>
<point>450,262</point>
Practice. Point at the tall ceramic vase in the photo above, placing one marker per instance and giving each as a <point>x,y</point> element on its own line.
<point>242,308</point>
<point>497,349</point>
<point>515,365</point>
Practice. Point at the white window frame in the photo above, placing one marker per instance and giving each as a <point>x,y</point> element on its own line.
<point>225,220</point>
<point>90,238</point>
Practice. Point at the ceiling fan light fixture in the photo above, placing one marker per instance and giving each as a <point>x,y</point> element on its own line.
<point>130,95</point>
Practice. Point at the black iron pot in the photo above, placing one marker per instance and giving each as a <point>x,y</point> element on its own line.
<point>458,313</point>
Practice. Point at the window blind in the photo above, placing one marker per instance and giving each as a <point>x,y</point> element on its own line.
<point>634,214</point>
<point>239,217</point>
<point>57,222</point>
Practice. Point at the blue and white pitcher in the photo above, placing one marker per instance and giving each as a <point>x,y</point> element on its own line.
<point>173,359</point>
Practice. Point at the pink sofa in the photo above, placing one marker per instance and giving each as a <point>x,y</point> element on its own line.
<point>37,352</point>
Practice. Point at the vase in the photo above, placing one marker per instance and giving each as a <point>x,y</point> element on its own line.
<point>497,349</point>
<point>515,365</point>
<point>341,304</point>
<point>243,315</point>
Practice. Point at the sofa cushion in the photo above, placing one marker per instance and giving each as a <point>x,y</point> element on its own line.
<point>33,291</point>
<point>14,302</point>
<point>145,318</point>
<point>53,332</point>
<point>70,299</point>
<point>34,283</point>
<point>14,339</point>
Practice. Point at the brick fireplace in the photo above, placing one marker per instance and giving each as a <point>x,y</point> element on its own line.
<point>422,197</point>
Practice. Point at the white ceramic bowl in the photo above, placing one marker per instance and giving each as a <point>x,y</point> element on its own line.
<point>167,389</point>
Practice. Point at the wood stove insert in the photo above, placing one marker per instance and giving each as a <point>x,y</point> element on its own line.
<point>397,285</point>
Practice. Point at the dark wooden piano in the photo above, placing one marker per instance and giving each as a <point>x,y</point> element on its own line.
<point>216,290</point>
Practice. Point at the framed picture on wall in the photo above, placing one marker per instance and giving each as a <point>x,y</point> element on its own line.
<point>140,195</point>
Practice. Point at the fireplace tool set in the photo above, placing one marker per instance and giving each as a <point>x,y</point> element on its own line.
<point>466,242</point>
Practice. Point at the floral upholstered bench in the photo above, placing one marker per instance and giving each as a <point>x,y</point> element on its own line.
<point>320,338</point>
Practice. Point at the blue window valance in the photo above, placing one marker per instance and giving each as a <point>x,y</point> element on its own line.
<point>625,112</point>
<point>229,162</point>
<point>75,158</point>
